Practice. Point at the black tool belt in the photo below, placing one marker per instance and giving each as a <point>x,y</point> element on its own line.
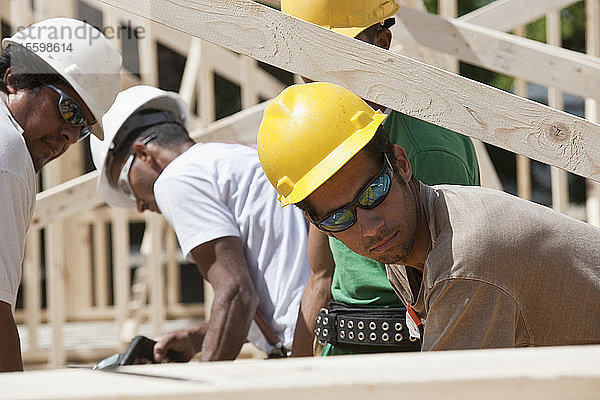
<point>365,330</point>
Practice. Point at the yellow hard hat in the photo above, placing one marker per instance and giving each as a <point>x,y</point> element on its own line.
<point>348,17</point>
<point>308,133</point>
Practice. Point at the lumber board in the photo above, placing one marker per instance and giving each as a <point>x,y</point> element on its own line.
<point>392,80</point>
<point>536,62</point>
<point>533,373</point>
<point>241,127</point>
<point>66,199</point>
<point>506,15</point>
<point>592,106</point>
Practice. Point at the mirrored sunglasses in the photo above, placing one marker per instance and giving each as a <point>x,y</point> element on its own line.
<point>123,183</point>
<point>373,194</point>
<point>72,112</point>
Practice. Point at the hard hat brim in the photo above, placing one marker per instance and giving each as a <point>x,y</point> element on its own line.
<point>350,32</point>
<point>333,162</point>
<point>97,129</point>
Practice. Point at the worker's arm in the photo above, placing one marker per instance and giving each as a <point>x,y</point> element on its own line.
<point>223,263</point>
<point>10,349</point>
<point>316,294</point>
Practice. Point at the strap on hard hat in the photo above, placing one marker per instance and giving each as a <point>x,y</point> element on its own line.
<point>138,121</point>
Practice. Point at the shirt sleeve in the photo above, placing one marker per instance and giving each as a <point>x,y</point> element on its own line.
<point>437,167</point>
<point>194,210</point>
<point>14,217</point>
<point>469,314</point>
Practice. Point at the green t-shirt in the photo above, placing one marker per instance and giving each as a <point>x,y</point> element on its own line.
<point>437,155</point>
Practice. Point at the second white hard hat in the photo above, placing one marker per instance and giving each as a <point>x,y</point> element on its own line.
<point>128,103</point>
<point>81,55</point>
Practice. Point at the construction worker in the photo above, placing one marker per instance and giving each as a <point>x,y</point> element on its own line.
<point>226,217</point>
<point>437,156</point>
<point>55,87</point>
<point>475,267</point>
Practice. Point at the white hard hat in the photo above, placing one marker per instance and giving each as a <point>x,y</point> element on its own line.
<point>81,55</point>
<point>128,103</point>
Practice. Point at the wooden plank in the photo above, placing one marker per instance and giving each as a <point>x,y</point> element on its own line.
<point>560,183</point>
<point>241,127</point>
<point>248,87</point>
<point>154,266</point>
<point>592,106</point>
<point>206,85</point>
<point>66,199</point>
<point>32,280</point>
<point>501,52</point>
<point>187,89</point>
<point>100,263</point>
<point>121,278</point>
<point>518,374</point>
<point>394,81</point>
<point>506,15</point>
<point>173,272</point>
<point>523,163</point>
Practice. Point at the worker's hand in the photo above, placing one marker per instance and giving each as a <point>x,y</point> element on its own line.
<point>187,342</point>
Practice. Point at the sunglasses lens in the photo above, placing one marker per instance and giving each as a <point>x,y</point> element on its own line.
<point>71,112</point>
<point>85,132</point>
<point>338,221</point>
<point>376,192</point>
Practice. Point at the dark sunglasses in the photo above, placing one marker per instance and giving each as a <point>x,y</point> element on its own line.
<point>370,197</point>
<point>72,112</point>
<point>123,182</point>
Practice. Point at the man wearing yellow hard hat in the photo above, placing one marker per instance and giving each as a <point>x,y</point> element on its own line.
<point>475,267</point>
<point>359,285</point>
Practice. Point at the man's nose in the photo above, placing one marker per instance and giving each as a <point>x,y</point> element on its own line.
<point>141,206</point>
<point>370,221</point>
<point>71,133</point>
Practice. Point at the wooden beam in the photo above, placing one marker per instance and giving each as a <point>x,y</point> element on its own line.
<point>66,199</point>
<point>546,65</point>
<point>560,182</point>
<point>506,15</point>
<point>241,127</point>
<point>516,374</point>
<point>394,81</point>
<point>592,106</point>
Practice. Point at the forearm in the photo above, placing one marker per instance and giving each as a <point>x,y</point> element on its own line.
<point>10,349</point>
<point>316,296</point>
<point>231,316</point>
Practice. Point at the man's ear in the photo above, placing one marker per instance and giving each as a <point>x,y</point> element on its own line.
<point>8,78</point>
<point>383,39</point>
<point>404,168</point>
<point>141,152</point>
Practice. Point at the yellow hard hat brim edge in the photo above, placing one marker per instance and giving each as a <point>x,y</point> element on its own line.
<point>333,162</point>
<point>350,32</point>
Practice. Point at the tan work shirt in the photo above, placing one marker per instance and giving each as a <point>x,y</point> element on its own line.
<point>504,272</point>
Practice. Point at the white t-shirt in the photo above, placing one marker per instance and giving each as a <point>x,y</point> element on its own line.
<point>215,190</point>
<point>18,188</point>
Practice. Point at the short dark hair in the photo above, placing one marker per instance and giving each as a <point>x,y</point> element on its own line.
<point>169,135</point>
<point>379,144</point>
<point>369,34</point>
<point>29,72</point>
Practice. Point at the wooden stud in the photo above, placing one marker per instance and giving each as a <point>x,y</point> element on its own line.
<point>592,106</point>
<point>121,266</point>
<point>501,52</point>
<point>425,92</point>
<point>523,163</point>
<point>560,183</point>
<point>32,283</point>
<point>507,15</point>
